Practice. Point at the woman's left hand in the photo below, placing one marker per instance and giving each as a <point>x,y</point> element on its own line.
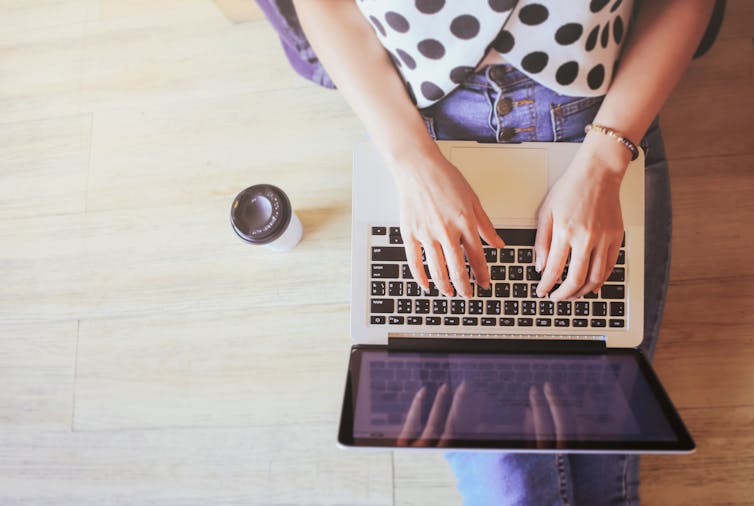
<point>581,215</point>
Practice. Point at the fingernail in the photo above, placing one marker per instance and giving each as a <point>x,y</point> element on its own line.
<point>538,265</point>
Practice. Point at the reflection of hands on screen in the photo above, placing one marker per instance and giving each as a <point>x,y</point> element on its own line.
<point>439,427</point>
<point>551,415</point>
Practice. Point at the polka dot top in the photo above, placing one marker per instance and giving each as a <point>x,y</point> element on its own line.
<point>436,44</point>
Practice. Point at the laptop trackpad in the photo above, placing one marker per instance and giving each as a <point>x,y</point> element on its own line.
<point>510,182</point>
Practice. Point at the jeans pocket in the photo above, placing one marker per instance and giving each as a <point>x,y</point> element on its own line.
<point>570,118</point>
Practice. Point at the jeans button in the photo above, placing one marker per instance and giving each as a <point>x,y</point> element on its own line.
<point>497,74</point>
<point>504,106</point>
<point>505,134</point>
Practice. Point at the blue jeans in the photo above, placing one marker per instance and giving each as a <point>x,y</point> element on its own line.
<point>499,104</point>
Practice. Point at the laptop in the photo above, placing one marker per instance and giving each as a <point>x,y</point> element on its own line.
<point>504,369</point>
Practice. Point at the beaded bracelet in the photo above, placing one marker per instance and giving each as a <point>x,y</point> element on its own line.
<point>617,136</point>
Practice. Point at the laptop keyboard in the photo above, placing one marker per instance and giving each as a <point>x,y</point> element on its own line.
<point>510,302</point>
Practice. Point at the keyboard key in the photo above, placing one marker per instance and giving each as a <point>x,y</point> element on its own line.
<point>590,295</point>
<point>532,274</point>
<point>525,256</point>
<point>599,308</point>
<point>378,288</point>
<point>404,306</point>
<point>395,288</point>
<point>414,320</point>
<point>546,307</point>
<point>388,254</point>
<point>396,320</point>
<point>533,289</point>
<point>476,307</point>
<point>598,322</point>
<point>581,308</point>
<point>385,271</point>
<point>490,254</point>
<point>613,291</point>
<point>451,320</point>
<point>544,322</point>
<point>518,236</point>
<point>507,256</point>
<point>484,292</point>
<point>382,306</point>
<point>525,322</point>
<point>616,322</point>
<point>395,230</point>
<point>516,273</point>
<point>493,307</point>
<point>502,290</point>
<point>413,289</point>
<point>470,320</point>
<point>440,306</point>
<point>396,239</point>
<point>507,322</point>
<point>510,307</point>
<point>458,307</point>
<point>406,271</point>
<point>421,306</point>
<point>379,231</point>
<point>433,291</point>
<point>562,322</point>
<point>497,272</point>
<point>621,257</point>
<point>564,308</point>
<point>432,320</point>
<point>617,309</point>
<point>489,322</point>
<point>528,307</point>
<point>377,319</point>
<point>580,322</point>
<point>520,290</point>
<point>618,274</point>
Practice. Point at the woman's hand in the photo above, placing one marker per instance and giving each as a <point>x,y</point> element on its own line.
<point>441,212</point>
<point>581,215</point>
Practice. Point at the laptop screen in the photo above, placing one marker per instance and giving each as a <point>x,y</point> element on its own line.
<point>528,400</point>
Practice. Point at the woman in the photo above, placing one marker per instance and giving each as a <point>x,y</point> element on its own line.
<point>502,71</point>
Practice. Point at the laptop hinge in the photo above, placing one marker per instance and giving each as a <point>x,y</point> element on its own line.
<point>487,344</point>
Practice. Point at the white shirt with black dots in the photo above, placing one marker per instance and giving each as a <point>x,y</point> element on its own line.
<point>570,47</point>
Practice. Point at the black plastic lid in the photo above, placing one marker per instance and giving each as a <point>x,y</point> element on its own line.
<point>260,214</point>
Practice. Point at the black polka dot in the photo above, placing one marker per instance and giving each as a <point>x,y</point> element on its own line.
<point>596,76</point>
<point>430,6</point>
<point>597,5</point>
<point>431,48</point>
<point>605,37</point>
<point>591,40</point>
<point>568,34</point>
<point>504,41</point>
<point>397,22</point>
<point>378,25</point>
<point>502,5</point>
<point>534,62</point>
<point>615,68</point>
<point>533,14</point>
<point>567,73</point>
<point>459,74</point>
<point>464,27</point>
<point>431,91</point>
<point>616,5</point>
<point>410,91</point>
<point>410,63</point>
<point>618,29</point>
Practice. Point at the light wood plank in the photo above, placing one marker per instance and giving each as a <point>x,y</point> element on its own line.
<point>239,11</point>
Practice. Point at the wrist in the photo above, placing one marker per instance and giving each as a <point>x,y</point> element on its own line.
<point>606,154</point>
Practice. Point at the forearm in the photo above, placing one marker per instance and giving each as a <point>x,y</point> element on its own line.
<point>361,69</point>
<point>662,42</point>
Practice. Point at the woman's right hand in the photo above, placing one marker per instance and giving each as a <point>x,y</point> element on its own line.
<point>440,212</point>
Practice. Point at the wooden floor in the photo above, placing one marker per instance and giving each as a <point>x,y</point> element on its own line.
<point>148,357</point>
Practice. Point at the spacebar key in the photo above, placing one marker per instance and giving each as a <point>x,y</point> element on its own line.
<point>388,254</point>
<point>381,306</point>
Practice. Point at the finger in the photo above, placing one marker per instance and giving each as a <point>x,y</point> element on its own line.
<point>610,259</point>
<point>413,425</point>
<point>558,412</point>
<point>457,268</point>
<point>456,410</point>
<point>554,264</point>
<point>596,273</point>
<point>543,430</point>
<point>415,264</point>
<point>437,269</point>
<point>577,272</point>
<point>485,227</point>
<point>542,241</point>
<point>477,261</point>
<point>433,429</point>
